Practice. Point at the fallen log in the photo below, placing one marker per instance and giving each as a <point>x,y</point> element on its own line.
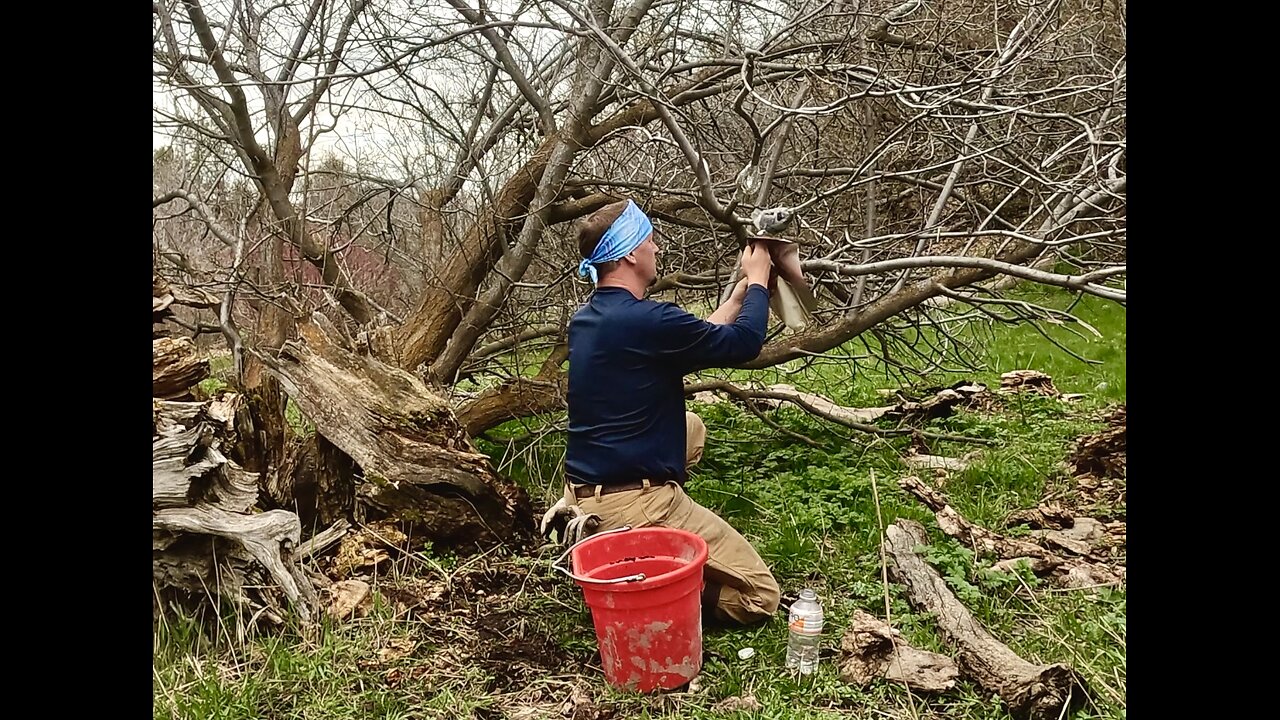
<point>843,416</point>
<point>787,393</point>
<point>413,460</point>
<point>919,461</point>
<point>940,404</point>
<point>872,650</point>
<point>1031,692</point>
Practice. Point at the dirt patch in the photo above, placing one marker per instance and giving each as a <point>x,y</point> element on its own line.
<point>517,653</point>
<point>499,580</point>
<point>488,617</point>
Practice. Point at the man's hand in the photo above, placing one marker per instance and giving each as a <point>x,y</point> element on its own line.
<point>557,517</point>
<point>756,264</point>
<point>756,268</point>
<point>568,523</point>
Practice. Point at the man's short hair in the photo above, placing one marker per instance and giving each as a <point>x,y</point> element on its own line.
<point>593,227</point>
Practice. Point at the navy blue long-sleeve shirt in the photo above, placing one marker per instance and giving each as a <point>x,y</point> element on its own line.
<point>627,362</point>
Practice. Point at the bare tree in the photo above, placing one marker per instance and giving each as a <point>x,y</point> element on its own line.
<point>425,162</point>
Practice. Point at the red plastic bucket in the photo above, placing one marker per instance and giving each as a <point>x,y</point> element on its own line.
<point>644,588</point>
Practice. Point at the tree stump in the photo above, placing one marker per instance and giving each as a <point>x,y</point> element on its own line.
<point>414,461</point>
<point>205,534</point>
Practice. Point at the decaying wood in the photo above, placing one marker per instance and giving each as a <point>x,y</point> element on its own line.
<point>942,403</point>
<point>1028,381</point>
<point>349,598</point>
<point>1031,692</point>
<point>785,393</point>
<point>1104,454</point>
<point>872,650</point>
<point>362,551</point>
<point>512,398</point>
<point>176,367</point>
<point>415,462</point>
<point>186,469</point>
<point>189,466</point>
<point>165,299</point>
<point>164,296</point>
<point>206,536</point>
<point>842,416</point>
<point>1087,566</point>
<point>1046,515</point>
<point>267,537</point>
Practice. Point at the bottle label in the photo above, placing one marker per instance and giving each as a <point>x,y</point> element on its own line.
<point>809,626</point>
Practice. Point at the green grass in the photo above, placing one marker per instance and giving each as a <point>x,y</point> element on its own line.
<point>813,514</point>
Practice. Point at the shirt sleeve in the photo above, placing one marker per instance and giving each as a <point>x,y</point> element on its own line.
<point>690,343</point>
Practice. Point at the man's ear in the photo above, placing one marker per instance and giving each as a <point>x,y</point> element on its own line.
<point>630,257</point>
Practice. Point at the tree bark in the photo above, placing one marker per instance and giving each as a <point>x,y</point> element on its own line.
<point>872,650</point>
<point>176,367</point>
<point>164,296</point>
<point>1032,692</point>
<point>427,330</point>
<point>413,460</point>
<point>423,336</point>
<point>518,397</point>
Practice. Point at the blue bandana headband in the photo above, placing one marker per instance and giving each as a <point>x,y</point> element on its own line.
<point>625,234</point>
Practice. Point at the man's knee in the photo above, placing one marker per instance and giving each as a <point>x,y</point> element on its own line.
<point>695,438</point>
<point>770,596</point>
<point>747,607</point>
<point>764,600</point>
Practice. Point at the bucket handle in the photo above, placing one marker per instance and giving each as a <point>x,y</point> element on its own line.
<point>628,578</point>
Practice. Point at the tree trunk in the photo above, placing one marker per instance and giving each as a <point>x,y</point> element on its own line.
<point>413,460</point>
<point>264,397</point>
<point>423,336</point>
<point>518,397</point>
<point>1032,692</point>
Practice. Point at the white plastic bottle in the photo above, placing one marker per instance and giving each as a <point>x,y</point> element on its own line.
<point>805,633</point>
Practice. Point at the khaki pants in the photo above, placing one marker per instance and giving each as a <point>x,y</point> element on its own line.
<point>738,584</point>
